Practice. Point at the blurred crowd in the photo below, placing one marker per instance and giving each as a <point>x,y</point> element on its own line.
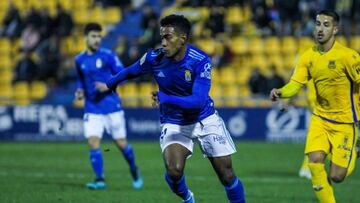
<point>40,34</point>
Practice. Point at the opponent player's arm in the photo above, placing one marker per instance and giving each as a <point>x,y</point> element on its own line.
<point>298,79</point>
<point>352,64</point>
<point>195,101</point>
<point>290,89</point>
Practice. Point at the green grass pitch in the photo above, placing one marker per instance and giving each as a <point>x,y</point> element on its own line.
<point>57,172</point>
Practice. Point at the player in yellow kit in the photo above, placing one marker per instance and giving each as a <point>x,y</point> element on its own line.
<point>335,70</point>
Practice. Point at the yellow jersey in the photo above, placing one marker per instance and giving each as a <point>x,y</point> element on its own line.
<point>311,94</point>
<point>336,77</point>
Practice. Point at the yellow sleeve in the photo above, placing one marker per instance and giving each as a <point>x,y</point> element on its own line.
<point>352,65</point>
<point>290,89</point>
<point>301,72</point>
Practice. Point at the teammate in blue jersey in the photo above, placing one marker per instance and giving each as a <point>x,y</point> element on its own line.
<point>102,109</point>
<point>183,74</point>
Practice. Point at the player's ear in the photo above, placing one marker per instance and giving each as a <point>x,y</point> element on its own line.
<point>183,39</point>
<point>336,29</point>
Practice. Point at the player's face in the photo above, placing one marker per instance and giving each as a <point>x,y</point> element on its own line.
<point>171,41</point>
<point>325,28</point>
<point>93,39</point>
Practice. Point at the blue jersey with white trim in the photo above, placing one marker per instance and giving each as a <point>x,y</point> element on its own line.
<point>177,79</point>
<point>98,67</point>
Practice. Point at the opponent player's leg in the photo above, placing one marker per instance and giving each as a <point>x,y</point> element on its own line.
<point>217,144</point>
<point>320,180</point>
<point>317,147</point>
<point>118,131</point>
<point>344,156</point>
<point>304,171</point>
<point>93,128</point>
<point>176,148</point>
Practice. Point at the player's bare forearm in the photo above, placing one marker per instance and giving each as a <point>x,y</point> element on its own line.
<point>155,99</point>
<point>79,94</point>
<point>101,87</point>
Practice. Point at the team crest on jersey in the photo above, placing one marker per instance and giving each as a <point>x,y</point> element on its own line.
<point>331,65</point>
<point>187,75</point>
<point>98,63</point>
<point>142,60</point>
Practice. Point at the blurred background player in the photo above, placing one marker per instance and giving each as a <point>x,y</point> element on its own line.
<point>183,74</point>
<point>102,109</point>
<point>333,129</point>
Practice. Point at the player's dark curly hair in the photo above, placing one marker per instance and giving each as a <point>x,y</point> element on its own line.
<point>179,22</point>
<point>333,14</point>
<point>92,27</point>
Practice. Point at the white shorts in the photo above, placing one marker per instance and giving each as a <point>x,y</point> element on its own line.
<point>211,134</point>
<point>113,123</point>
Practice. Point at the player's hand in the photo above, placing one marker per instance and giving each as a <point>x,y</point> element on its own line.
<point>79,94</point>
<point>101,87</point>
<point>283,106</point>
<point>275,94</point>
<point>155,99</point>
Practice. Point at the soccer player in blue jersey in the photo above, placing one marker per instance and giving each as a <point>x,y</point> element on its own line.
<point>183,74</point>
<point>102,109</point>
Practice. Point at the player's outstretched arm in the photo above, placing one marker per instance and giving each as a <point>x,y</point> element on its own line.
<point>132,71</point>
<point>195,101</point>
<point>288,91</point>
<point>79,94</point>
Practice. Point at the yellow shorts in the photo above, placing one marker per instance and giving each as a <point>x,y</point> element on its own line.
<point>337,139</point>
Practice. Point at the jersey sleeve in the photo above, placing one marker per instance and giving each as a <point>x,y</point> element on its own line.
<point>115,63</point>
<point>140,67</point>
<point>203,72</point>
<point>301,72</point>
<point>80,80</point>
<point>352,65</point>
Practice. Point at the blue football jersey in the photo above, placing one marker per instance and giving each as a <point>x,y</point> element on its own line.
<point>98,67</point>
<point>177,78</point>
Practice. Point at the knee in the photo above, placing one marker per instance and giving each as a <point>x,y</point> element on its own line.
<point>175,171</point>
<point>227,177</point>
<point>337,177</point>
<point>94,143</point>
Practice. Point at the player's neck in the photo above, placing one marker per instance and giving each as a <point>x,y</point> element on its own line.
<point>323,48</point>
<point>90,51</point>
<point>181,54</point>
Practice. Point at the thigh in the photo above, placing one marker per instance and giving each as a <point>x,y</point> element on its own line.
<point>175,157</point>
<point>343,140</point>
<point>93,125</point>
<point>214,138</point>
<point>317,136</point>
<point>117,125</point>
<point>176,134</point>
